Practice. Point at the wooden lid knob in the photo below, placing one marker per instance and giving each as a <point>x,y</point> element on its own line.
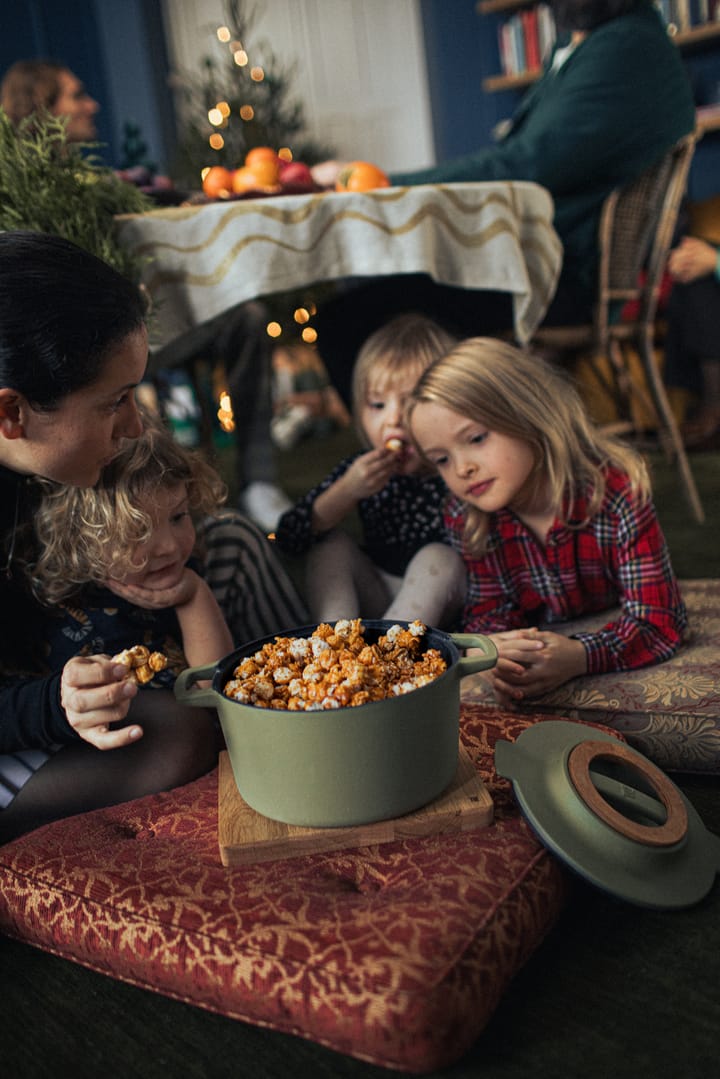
<point>675,827</point>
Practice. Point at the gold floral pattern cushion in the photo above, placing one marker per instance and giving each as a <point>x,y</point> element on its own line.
<point>396,954</point>
<point>670,712</point>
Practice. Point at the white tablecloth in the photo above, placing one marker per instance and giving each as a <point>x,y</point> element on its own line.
<point>203,260</point>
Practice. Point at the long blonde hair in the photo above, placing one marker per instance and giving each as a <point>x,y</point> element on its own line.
<point>521,396</point>
<point>85,535</point>
<point>406,345</point>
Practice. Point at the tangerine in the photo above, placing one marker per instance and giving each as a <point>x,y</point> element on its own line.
<point>361,176</point>
<point>244,179</point>
<point>217,182</point>
<point>260,153</point>
<point>265,171</point>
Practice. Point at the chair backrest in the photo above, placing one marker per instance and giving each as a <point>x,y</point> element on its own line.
<point>636,231</point>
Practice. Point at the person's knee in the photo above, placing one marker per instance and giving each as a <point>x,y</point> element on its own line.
<point>436,559</point>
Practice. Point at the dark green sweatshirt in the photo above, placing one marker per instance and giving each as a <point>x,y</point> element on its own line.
<point>617,103</point>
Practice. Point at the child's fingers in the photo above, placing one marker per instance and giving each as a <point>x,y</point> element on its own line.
<point>505,693</point>
<point>507,667</point>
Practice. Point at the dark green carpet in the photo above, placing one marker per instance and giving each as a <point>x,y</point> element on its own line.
<point>614,991</point>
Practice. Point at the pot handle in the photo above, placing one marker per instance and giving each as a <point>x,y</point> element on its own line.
<point>199,698</point>
<point>473,664</point>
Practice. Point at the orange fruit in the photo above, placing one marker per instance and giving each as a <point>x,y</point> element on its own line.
<point>265,171</point>
<point>260,153</point>
<point>361,176</point>
<point>243,180</point>
<point>217,182</point>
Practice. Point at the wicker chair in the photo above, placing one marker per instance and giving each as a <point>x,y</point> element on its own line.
<point>636,231</point>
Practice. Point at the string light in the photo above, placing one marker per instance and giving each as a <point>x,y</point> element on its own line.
<point>273,329</point>
<point>240,57</point>
<point>301,315</point>
<point>216,141</point>
<point>257,74</point>
<point>215,117</point>
<point>225,414</point>
<point>247,112</point>
<point>223,34</point>
<point>309,335</point>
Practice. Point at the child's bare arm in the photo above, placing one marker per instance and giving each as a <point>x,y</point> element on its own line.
<point>206,637</point>
<point>205,634</point>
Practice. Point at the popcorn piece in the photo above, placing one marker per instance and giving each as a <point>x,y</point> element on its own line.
<point>142,664</point>
<point>394,445</point>
<point>335,668</point>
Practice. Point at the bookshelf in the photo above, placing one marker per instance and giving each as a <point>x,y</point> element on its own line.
<point>686,37</point>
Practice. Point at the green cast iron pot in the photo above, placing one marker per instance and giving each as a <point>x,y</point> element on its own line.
<point>345,766</point>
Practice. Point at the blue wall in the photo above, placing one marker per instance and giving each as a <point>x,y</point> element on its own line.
<point>116,47</point>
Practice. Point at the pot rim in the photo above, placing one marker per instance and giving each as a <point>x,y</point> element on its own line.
<point>434,638</point>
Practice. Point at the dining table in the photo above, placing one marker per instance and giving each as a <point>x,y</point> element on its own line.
<point>210,269</point>
<point>202,260</point>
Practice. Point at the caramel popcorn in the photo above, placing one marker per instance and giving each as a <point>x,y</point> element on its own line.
<point>335,667</point>
<point>142,664</point>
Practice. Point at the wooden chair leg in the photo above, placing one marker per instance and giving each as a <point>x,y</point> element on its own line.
<point>668,426</point>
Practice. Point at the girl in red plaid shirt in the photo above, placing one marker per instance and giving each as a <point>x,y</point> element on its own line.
<point>553,517</point>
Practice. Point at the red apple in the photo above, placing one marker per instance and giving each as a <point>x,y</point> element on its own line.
<point>296,173</point>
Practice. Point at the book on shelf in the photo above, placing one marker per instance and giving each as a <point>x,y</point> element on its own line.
<point>682,15</point>
<point>525,40</point>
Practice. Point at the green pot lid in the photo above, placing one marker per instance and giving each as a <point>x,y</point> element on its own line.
<point>610,814</point>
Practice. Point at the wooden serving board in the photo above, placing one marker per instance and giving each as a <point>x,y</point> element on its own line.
<point>247,836</point>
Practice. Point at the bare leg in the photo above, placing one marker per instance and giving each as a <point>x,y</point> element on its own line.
<point>179,744</point>
<point>433,588</point>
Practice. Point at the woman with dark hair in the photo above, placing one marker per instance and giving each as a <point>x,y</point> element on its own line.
<point>33,86</point>
<point>614,97</point>
<point>73,348</point>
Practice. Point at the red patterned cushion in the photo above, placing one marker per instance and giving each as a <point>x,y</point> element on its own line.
<point>396,954</point>
<point>670,712</point>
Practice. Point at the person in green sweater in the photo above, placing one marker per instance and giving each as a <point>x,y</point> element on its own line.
<point>613,98</point>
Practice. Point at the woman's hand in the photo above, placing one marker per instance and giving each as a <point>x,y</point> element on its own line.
<point>95,694</point>
<point>156,599</point>
<point>691,259</point>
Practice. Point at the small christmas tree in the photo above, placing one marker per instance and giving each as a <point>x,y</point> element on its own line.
<point>50,185</point>
<point>241,99</point>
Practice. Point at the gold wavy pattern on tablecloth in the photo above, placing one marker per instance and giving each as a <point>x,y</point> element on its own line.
<point>288,216</point>
<point>222,268</point>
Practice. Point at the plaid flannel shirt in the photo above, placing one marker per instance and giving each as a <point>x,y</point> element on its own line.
<point>620,557</point>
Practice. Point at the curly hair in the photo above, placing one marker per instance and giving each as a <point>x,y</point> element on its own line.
<point>85,535</point>
<point>519,395</point>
